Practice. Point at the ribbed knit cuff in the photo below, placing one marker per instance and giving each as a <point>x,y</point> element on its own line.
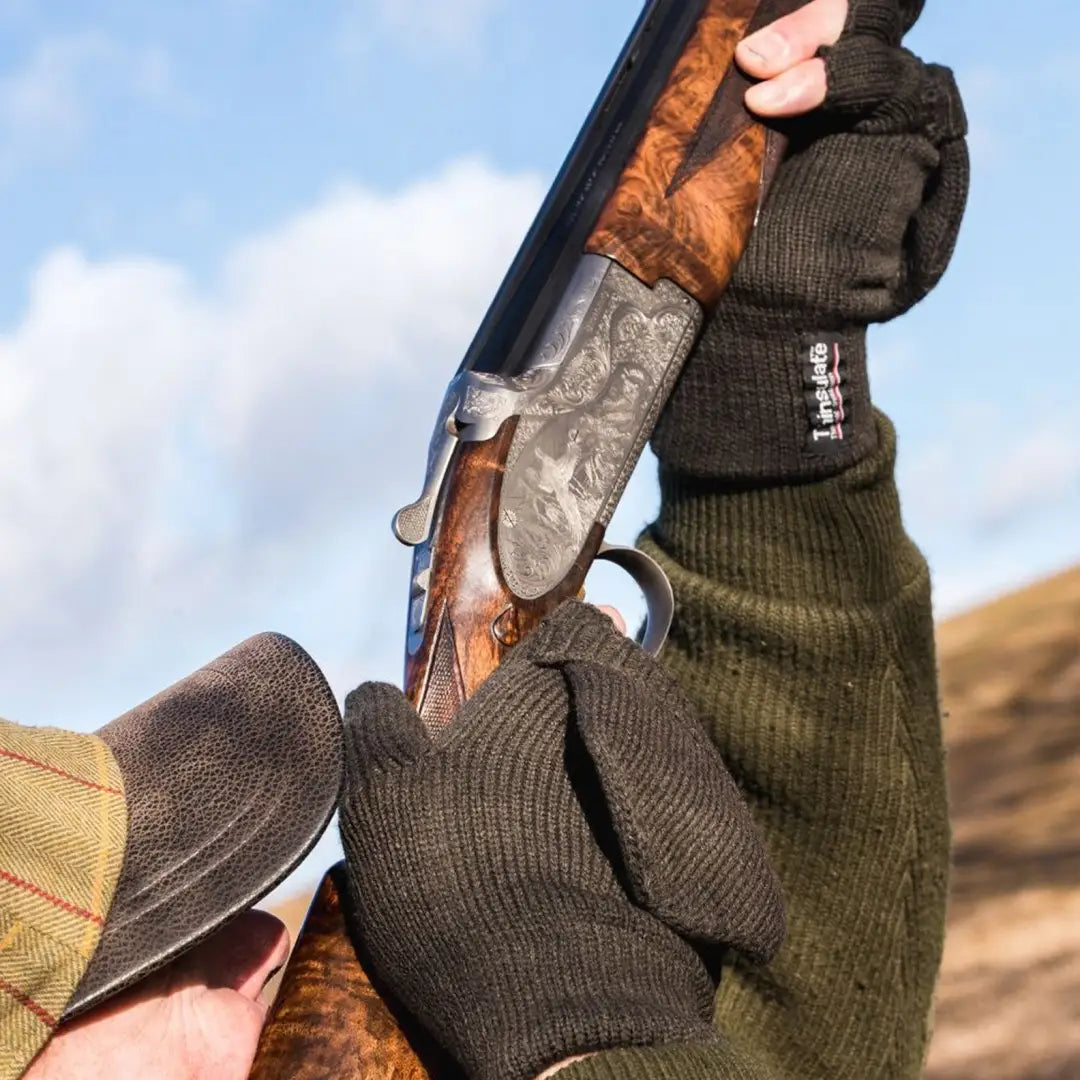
<point>766,403</point>
<point>886,20</point>
<point>690,1061</point>
<point>839,540</point>
<point>577,631</point>
<point>563,990</point>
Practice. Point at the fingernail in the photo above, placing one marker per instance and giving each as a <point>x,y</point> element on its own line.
<point>768,96</point>
<point>767,46</point>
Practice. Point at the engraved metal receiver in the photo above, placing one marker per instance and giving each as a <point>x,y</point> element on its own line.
<point>585,403</point>
<point>542,425</point>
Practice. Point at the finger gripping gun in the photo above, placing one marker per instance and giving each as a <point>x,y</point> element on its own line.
<point>540,430</point>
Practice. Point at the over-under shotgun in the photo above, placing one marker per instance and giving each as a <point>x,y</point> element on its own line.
<point>540,430</point>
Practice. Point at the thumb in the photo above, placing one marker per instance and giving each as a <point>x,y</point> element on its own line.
<point>382,734</point>
<point>381,730</point>
<point>241,956</point>
<point>690,848</point>
<point>935,227</point>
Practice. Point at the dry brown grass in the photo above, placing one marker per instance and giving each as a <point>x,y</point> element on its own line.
<point>1009,1000</point>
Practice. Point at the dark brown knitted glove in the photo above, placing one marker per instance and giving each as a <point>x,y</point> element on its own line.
<point>860,225</point>
<point>540,882</point>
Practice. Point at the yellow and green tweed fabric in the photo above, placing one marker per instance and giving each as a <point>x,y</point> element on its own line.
<point>63,827</point>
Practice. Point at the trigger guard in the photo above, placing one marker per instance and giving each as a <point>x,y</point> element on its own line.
<point>653,582</point>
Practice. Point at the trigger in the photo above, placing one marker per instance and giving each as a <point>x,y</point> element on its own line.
<point>654,584</point>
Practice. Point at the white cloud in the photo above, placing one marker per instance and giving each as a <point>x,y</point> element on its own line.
<point>420,26</point>
<point>43,96</point>
<point>992,472</point>
<point>1041,468</point>
<point>178,468</point>
<point>995,504</point>
<point>49,102</point>
<point>16,11</point>
<point>182,466</point>
<point>194,211</point>
<point>153,78</point>
<point>1057,74</point>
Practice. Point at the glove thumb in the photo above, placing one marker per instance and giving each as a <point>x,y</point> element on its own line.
<point>886,20</point>
<point>382,730</point>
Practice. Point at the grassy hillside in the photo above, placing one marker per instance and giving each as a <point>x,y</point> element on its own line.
<point>1009,1002</point>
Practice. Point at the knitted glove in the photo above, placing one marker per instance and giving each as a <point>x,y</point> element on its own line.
<point>540,881</point>
<point>859,225</point>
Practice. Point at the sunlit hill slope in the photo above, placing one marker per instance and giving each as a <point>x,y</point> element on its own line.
<point>1009,1003</point>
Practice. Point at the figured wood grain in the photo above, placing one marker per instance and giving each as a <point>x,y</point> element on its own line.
<point>328,1020</point>
<point>472,617</point>
<point>686,201</point>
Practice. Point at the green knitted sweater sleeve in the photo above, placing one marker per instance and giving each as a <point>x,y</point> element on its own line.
<point>804,634</point>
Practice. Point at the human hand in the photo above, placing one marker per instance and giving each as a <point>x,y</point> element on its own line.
<point>528,884</point>
<point>784,56</point>
<point>197,1019</point>
<point>859,225</point>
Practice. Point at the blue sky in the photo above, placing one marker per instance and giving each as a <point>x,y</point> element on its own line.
<point>245,242</point>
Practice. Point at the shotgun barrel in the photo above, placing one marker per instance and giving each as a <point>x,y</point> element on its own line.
<point>540,430</point>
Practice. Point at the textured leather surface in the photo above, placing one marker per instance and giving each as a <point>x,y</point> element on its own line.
<point>231,776</point>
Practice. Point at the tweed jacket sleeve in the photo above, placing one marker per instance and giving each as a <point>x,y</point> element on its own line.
<point>63,829</point>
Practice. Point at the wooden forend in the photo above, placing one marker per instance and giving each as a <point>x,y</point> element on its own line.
<point>472,617</point>
<point>687,198</point>
<point>328,1020</point>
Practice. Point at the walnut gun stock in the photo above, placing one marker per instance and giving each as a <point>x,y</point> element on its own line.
<point>541,428</point>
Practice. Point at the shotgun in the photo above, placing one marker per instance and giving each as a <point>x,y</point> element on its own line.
<point>539,432</point>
